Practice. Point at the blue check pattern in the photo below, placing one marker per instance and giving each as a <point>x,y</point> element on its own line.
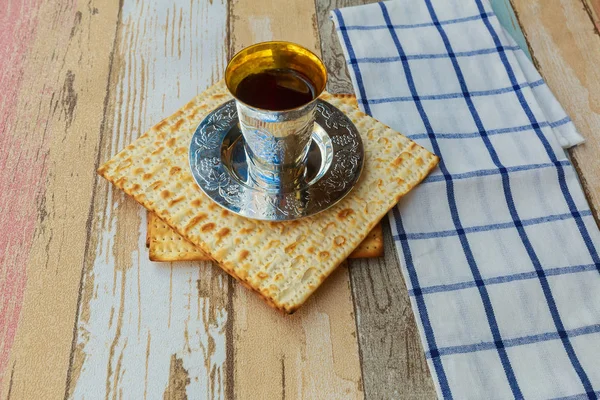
<point>498,246</point>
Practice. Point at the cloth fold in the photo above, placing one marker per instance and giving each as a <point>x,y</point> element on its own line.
<point>498,246</point>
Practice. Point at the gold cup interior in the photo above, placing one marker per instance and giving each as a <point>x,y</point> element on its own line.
<point>275,55</point>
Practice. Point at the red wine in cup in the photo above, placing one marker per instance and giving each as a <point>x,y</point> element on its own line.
<point>276,89</point>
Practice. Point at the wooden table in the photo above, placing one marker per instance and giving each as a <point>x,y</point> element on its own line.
<point>84,314</point>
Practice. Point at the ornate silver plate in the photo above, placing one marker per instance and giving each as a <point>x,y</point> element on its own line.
<point>219,166</point>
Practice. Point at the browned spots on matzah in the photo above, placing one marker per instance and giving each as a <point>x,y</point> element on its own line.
<point>208,227</point>
<point>157,150</point>
<point>189,105</point>
<point>290,248</point>
<point>165,194</point>
<point>299,259</point>
<point>156,185</point>
<point>383,141</point>
<point>399,160</point>
<point>102,169</point>
<point>135,186</point>
<point>242,274</point>
<point>345,213</point>
<point>171,142</point>
<point>243,254</point>
<point>262,275</point>
<point>174,170</point>
<point>124,164</point>
<point>138,171</point>
<point>196,203</point>
<point>339,240</point>
<point>272,243</point>
<point>176,200</point>
<point>193,115</point>
<point>146,176</point>
<point>180,150</point>
<point>328,228</point>
<point>147,160</point>
<point>161,124</point>
<point>245,231</point>
<point>223,232</point>
<point>311,250</point>
<point>194,221</point>
<point>224,213</point>
<point>141,198</point>
<point>212,205</point>
<point>323,254</point>
<point>178,125</point>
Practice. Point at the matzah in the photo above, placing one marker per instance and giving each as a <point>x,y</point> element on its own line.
<point>284,262</point>
<point>165,244</point>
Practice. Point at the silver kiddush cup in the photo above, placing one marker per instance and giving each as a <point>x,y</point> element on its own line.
<point>276,142</point>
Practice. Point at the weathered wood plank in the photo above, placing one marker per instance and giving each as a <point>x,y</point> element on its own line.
<point>592,7</point>
<point>395,367</point>
<point>18,34</point>
<point>565,41</point>
<point>147,330</point>
<point>313,353</point>
<point>52,113</point>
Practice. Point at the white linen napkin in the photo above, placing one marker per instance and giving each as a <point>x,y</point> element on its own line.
<point>498,246</point>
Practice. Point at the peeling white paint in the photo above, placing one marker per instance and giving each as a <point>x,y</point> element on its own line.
<point>163,66</point>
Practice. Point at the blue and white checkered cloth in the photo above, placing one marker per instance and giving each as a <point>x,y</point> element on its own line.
<point>498,246</point>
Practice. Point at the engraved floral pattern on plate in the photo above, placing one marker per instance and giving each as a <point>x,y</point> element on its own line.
<point>219,166</point>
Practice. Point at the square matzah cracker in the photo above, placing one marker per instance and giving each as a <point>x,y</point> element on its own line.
<point>165,244</point>
<point>284,262</point>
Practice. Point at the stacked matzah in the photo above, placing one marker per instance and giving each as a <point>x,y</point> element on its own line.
<point>165,244</point>
<point>285,262</point>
